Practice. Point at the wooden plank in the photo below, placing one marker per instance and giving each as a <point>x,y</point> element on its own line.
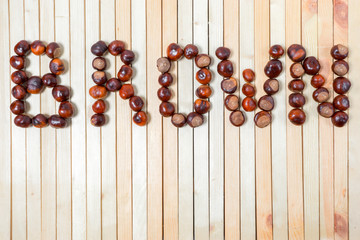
<point>341,138</point>
<point>232,136</point>
<point>262,135</point>
<point>310,128</point>
<point>326,132</point>
<point>294,133</point>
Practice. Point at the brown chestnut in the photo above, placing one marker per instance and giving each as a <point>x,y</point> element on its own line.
<point>99,48</point>
<point>203,76</point>
<point>17,107</point>
<point>296,100</point>
<point>232,102</point>
<point>297,116</point>
<point>271,86</point>
<point>18,92</point>
<point>339,52</point>
<point>98,92</point>
<point>166,109</point>
<point>19,77</point>
<point>317,81</point>
<point>178,120</point>
<point>125,73</point>
<point>321,95</point>
<point>296,70</point>
<point>49,80</point>
<point>163,64</point>
<point>174,52</point>
<point>53,50</point>
<point>341,102</point>
<point>201,106</point>
<point>56,121</point>
<point>190,51</point>
<point>225,68</point>
<point>165,79</point>
<point>195,119</point>
<point>229,85</point>
<point>136,103</point>
<point>248,90</point>
<point>326,109</point>
<point>22,48</point>
<point>140,118</point>
<point>164,94</point>
<point>126,91</point>
<point>202,60</point>
<point>66,109</point>
<point>248,75</point>
<point>203,91</point>
<point>248,104</point>
<point>40,121</point>
<point>266,103</point>
<point>61,93</point>
<point>34,85</point>
<point>311,65</point>
<point>127,57</point>
<point>276,51</point>
<point>296,85</point>
<point>113,85</point>
<point>223,53</point>
<point>38,47</point>
<point>339,119</point>
<point>17,62</point>
<point>262,119</point>
<point>341,85</point>
<point>99,63</point>
<point>340,67</point>
<point>99,106</point>
<point>296,52</point>
<point>273,68</point>
<point>98,120</point>
<point>99,77</point>
<point>23,121</point>
<point>237,118</point>
<point>116,47</point>
<point>56,66</point>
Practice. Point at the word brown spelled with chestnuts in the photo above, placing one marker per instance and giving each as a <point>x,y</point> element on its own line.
<point>35,85</point>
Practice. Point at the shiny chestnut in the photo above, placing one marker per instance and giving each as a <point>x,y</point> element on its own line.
<point>341,102</point>
<point>201,106</point>
<point>296,52</point>
<point>296,85</point>
<point>34,85</point>
<point>53,50</point>
<point>17,107</point>
<point>296,100</point>
<point>321,95</point>
<point>56,66</point>
<point>326,109</point>
<point>136,103</point>
<point>61,93</point>
<point>164,94</point>
<point>339,119</point>
<point>190,51</point>
<point>116,47</point>
<point>297,117</point>
<point>113,85</point>
<point>195,119</point>
<point>99,77</point>
<point>40,121</point>
<point>49,80</point>
<point>99,48</point>
<point>18,92</point>
<point>311,65</point>
<point>98,92</point>
<point>203,91</point>
<point>98,120</point>
<point>166,109</point>
<point>140,118</point>
<point>127,57</point>
<point>266,103</point>
<point>248,104</point>
<point>99,106</point>
<point>225,68</point>
<point>22,121</point>
<point>174,52</point>
<point>203,76</point>
<point>126,91</point>
<point>56,121</point>
<point>273,68</point>
<point>22,48</point>
<point>125,73</point>
<point>341,85</point>
<point>317,81</point>
<point>165,79</point>
<point>66,109</point>
<point>248,75</point>
<point>271,86</point>
<point>339,52</point>
<point>19,77</point>
<point>38,47</point>
<point>223,53</point>
<point>276,51</point>
<point>17,62</point>
<point>248,90</point>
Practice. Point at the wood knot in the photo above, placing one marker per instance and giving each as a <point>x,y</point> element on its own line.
<point>340,225</point>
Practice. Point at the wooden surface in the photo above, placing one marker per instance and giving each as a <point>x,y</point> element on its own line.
<point>215,182</point>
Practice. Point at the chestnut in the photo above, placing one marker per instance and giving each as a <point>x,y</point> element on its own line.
<point>17,107</point>
<point>116,47</point>
<point>99,63</point>
<point>22,121</point>
<point>321,95</point>
<point>326,109</point>
<point>340,67</point>
<point>49,80</point>
<point>296,100</point>
<point>66,109</point>
<point>232,102</point>
<point>53,50</point>
<point>229,85</point>
<point>34,85</point>
<point>271,86</point>
<point>164,94</point>
<point>202,60</point>
<point>99,106</point>
<point>296,85</point>
<point>201,106</point>
<point>296,70</point>
<point>99,48</point>
<point>140,118</point>
<point>311,65</point>
<point>178,119</point>
<point>248,104</point>
<point>297,116</point>
<point>248,90</point>
<point>248,75</point>
<point>97,92</point>
<point>18,92</point>
<point>276,51</point>
<point>225,68</point>
<point>56,121</point>
<point>341,85</point>
<point>237,118</point>
<point>19,77</point>
<point>273,68</point>
<point>38,47</point>
<point>166,109</point>
<point>341,102</point>
<point>296,52</point>
<point>203,91</point>
<point>339,119</point>
<point>99,77</point>
<point>127,57</point>
<point>339,52</point>
<point>98,120</point>
<point>266,103</point>
<point>125,73</point>
<point>317,81</point>
<point>165,79</point>
<point>126,91</point>
<point>61,93</point>
<point>136,103</point>
<point>163,64</point>
<point>174,52</point>
<point>195,119</point>
<point>190,51</point>
<point>22,48</point>
<point>262,119</point>
<point>203,76</point>
<point>40,121</point>
<point>17,62</point>
<point>223,53</point>
<point>56,66</point>
<point>113,85</point>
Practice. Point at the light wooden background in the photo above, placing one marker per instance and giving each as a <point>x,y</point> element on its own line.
<point>214,182</point>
